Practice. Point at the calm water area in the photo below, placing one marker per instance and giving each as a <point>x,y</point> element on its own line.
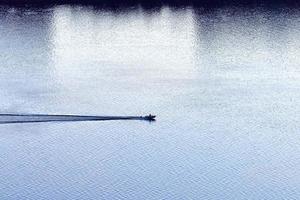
<point>223,82</point>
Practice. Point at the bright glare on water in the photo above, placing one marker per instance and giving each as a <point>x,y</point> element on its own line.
<point>224,84</point>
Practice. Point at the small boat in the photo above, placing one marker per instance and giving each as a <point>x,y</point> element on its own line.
<point>150,117</point>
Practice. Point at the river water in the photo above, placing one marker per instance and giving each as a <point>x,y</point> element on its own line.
<point>224,84</point>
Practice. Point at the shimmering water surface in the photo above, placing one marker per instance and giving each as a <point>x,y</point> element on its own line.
<point>224,84</point>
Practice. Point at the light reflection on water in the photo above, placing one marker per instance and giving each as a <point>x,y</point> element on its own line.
<point>223,82</point>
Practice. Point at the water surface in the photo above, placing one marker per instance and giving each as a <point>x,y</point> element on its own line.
<point>224,84</point>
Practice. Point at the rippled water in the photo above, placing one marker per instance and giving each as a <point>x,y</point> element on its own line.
<point>224,84</point>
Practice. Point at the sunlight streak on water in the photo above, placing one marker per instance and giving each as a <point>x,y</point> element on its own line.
<point>162,40</point>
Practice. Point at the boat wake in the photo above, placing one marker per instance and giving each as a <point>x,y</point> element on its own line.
<point>35,118</point>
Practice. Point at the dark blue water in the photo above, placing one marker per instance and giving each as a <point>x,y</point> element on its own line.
<point>224,84</point>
